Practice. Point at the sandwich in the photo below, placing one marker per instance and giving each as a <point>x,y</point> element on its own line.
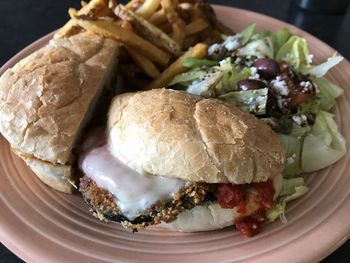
<point>48,98</point>
<point>183,161</point>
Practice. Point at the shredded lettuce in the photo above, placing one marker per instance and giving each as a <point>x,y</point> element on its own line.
<point>246,34</point>
<point>324,145</point>
<point>186,78</point>
<point>291,189</point>
<point>206,85</point>
<point>293,146</point>
<point>321,69</point>
<point>250,101</point>
<point>260,48</point>
<point>280,38</point>
<point>327,92</point>
<point>197,63</point>
<point>296,52</point>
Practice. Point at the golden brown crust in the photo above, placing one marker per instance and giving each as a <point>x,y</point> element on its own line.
<point>47,97</point>
<point>175,134</point>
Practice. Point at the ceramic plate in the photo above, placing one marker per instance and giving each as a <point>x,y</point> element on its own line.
<point>41,225</point>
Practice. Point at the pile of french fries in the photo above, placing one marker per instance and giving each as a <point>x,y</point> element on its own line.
<point>157,35</point>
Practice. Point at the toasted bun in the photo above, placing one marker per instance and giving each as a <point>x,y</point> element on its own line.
<point>47,97</point>
<point>179,135</point>
<point>210,217</point>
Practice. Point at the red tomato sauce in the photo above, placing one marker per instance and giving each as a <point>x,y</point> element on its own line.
<point>231,196</point>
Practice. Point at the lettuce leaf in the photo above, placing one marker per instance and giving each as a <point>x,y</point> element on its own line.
<point>296,52</point>
<point>291,189</point>
<point>327,92</point>
<point>260,48</point>
<point>253,101</point>
<point>186,78</point>
<point>321,69</point>
<point>324,145</point>
<point>246,34</point>
<point>280,37</point>
<point>197,63</point>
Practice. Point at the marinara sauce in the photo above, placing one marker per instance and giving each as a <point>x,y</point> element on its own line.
<point>236,196</point>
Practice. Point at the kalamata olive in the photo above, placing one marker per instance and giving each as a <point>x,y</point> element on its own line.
<point>303,92</point>
<point>250,84</point>
<point>267,68</point>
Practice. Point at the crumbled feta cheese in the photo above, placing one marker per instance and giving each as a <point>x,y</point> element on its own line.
<point>254,73</point>
<point>214,49</point>
<point>306,86</point>
<point>310,57</point>
<point>280,86</point>
<point>300,119</point>
<point>231,43</point>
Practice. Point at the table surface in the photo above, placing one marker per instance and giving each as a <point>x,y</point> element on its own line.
<point>23,21</point>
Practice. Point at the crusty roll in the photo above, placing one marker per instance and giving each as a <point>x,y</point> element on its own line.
<point>46,99</point>
<point>179,135</point>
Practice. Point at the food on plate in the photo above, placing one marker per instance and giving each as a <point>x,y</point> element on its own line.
<point>155,33</point>
<point>47,98</point>
<point>167,152</point>
<point>196,159</point>
<point>272,76</point>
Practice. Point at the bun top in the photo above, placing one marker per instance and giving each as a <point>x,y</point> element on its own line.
<point>46,97</point>
<point>179,135</point>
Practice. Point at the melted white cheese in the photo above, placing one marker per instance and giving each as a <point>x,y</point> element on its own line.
<point>134,192</point>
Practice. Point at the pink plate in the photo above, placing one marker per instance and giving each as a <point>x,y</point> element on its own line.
<point>41,225</point>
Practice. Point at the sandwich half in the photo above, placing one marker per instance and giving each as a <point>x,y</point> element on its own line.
<point>195,164</point>
<point>48,97</point>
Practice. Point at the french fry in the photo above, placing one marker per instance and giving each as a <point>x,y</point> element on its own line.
<point>112,4</point>
<point>83,3</point>
<point>143,62</point>
<point>196,26</point>
<point>177,23</point>
<point>148,8</point>
<point>114,31</point>
<point>134,4</point>
<point>71,27</point>
<point>158,18</point>
<point>148,30</point>
<point>198,51</point>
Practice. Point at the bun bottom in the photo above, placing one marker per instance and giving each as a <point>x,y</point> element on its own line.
<point>212,216</point>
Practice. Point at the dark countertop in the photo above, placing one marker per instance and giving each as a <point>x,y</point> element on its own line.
<point>23,21</point>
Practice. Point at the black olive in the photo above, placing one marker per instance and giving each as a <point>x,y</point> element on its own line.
<point>267,68</point>
<point>250,84</point>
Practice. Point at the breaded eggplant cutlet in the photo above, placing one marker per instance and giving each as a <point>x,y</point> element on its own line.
<point>104,206</point>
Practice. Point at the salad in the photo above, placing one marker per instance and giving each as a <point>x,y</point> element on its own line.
<point>272,75</point>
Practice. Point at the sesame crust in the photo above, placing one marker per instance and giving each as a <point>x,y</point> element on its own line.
<point>103,204</point>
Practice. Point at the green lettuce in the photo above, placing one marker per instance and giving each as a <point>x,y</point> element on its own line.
<point>291,189</point>
<point>197,63</point>
<point>280,37</point>
<point>321,69</point>
<point>327,92</point>
<point>186,78</point>
<point>260,48</point>
<point>253,101</point>
<point>324,145</point>
<point>246,34</point>
<point>296,52</point>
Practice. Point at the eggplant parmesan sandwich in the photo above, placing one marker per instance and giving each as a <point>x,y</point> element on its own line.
<point>47,99</point>
<point>187,162</point>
